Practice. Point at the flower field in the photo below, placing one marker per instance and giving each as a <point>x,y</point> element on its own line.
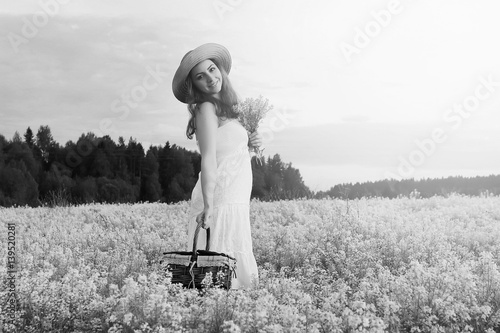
<point>369,265</point>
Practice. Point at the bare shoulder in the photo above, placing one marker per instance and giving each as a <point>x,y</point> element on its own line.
<point>206,115</point>
<point>205,109</point>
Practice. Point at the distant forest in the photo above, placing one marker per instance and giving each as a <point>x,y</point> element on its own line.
<point>37,171</point>
<point>423,188</point>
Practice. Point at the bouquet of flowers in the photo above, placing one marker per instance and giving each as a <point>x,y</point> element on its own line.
<point>251,112</point>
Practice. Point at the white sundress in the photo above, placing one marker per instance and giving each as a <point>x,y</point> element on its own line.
<point>230,232</point>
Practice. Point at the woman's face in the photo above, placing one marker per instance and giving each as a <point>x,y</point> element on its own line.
<point>207,77</point>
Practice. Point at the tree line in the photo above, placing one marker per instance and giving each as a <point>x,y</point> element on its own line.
<point>423,188</point>
<point>36,170</point>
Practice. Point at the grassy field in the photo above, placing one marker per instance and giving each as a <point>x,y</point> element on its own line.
<point>369,265</point>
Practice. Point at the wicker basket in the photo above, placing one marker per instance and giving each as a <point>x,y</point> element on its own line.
<point>190,268</point>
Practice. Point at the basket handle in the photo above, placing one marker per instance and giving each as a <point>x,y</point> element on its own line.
<point>194,257</point>
<point>195,240</point>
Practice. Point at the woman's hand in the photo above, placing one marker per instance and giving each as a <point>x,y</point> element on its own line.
<point>255,140</point>
<point>205,218</point>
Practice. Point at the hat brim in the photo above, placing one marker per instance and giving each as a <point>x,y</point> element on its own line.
<point>216,52</point>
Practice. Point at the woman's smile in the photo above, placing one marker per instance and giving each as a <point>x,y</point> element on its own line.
<point>214,84</point>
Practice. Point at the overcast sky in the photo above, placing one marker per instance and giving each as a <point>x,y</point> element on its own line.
<point>362,90</point>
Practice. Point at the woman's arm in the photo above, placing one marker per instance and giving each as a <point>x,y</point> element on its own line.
<point>206,131</point>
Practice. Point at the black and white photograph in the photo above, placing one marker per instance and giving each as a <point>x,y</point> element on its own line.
<point>230,166</point>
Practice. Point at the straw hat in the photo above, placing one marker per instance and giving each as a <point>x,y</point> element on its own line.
<point>218,53</point>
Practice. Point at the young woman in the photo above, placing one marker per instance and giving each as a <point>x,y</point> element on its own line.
<point>220,200</point>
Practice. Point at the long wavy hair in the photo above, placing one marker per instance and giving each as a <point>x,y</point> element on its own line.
<point>223,106</point>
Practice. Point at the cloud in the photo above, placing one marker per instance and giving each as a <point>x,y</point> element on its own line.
<point>344,143</point>
<point>356,118</point>
<point>69,77</point>
<point>362,151</point>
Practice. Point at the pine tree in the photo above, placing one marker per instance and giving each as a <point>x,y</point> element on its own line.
<point>44,141</point>
<point>28,137</point>
<point>150,185</point>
